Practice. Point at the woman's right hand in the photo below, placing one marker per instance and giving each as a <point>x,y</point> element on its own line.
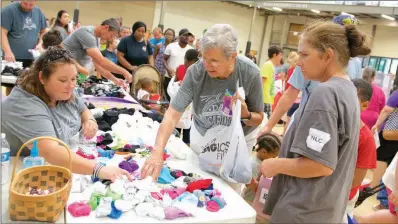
<point>112,173</point>
<point>153,166</point>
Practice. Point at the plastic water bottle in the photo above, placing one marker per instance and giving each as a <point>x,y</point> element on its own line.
<point>5,159</point>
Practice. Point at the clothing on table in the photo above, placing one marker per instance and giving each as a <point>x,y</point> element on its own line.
<point>79,42</point>
<point>366,158</point>
<point>376,104</point>
<point>180,73</point>
<point>177,54</point>
<point>198,85</point>
<point>267,72</point>
<point>104,90</point>
<point>153,42</point>
<point>110,55</point>
<point>26,116</point>
<point>136,53</point>
<point>249,195</point>
<point>142,93</point>
<point>23,29</point>
<point>159,60</point>
<point>329,118</point>
<point>62,31</point>
<point>305,86</point>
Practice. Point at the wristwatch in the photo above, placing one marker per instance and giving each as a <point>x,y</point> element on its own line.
<point>248,118</point>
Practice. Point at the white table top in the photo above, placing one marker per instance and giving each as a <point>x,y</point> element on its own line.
<point>5,218</point>
<point>236,210</point>
<point>8,79</point>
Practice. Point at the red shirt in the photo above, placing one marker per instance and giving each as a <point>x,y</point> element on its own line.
<point>180,72</point>
<point>366,154</point>
<point>289,74</point>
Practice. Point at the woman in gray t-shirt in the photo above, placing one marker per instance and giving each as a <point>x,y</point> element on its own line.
<point>313,175</point>
<point>43,104</point>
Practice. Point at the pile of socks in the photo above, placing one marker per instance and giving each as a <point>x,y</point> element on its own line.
<point>102,90</point>
<point>177,194</point>
<point>34,191</point>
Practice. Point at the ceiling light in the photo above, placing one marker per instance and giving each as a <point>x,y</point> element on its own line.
<point>316,11</point>
<point>347,14</point>
<point>277,9</point>
<point>387,17</point>
<point>250,5</point>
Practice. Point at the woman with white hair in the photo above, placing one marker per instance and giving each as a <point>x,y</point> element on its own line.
<point>205,85</point>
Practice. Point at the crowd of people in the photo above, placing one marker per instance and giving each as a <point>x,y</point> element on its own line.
<point>334,107</point>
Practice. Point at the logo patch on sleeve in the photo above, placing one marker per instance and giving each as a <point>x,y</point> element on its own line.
<point>317,139</point>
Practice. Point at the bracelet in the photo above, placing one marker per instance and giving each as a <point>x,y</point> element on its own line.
<point>97,169</point>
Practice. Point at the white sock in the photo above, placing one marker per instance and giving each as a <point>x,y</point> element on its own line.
<point>118,187</point>
<point>179,183</point>
<point>124,206</point>
<point>167,201</point>
<point>104,208</point>
<point>76,186</point>
<point>143,209</point>
<point>129,193</point>
<point>85,182</point>
<point>99,188</point>
<point>157,212</point>
<point>146,184</point>
<point>141,195</point>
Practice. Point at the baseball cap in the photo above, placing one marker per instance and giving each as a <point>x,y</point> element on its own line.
<point>184,31</point>
<point>345,20</point>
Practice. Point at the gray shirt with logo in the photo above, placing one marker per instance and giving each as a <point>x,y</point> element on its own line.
<point>324,129</point>
<point>25,116</point>
<point>23,29</point>
<point>207,93</point>
<point>79,41</point>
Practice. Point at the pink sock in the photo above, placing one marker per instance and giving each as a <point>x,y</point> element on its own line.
<point>78,209</point>
<point>212,206</point>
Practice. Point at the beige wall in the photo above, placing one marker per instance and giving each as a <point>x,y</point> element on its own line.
<point>386,42</point>
<point>200,15</point>
<point>94,12</point>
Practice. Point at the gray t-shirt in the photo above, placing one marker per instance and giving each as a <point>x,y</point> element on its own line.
<point>25,116</point>
<point>62,31</point>
<point>23,29</point>
<point>79,41</point>
<point>207,93</point>
<point>326,130</point>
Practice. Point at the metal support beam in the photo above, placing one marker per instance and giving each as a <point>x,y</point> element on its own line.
<point>249,41</point>
<point>161,19</point>
<point>284,31</point>
<point>260,52</point>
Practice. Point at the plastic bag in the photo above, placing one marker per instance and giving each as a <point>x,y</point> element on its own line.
<point>223,150</point>
<point>186,118</point>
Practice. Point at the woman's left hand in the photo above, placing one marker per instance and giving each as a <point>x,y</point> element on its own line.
<point>244,110</point>
<point>90,128</point>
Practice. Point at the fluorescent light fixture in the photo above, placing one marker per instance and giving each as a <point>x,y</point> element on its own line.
<point>277,9</point>
<point>387,17</point>
<point>316,11</point>
<point>347,14</point>
<point>250,5</point>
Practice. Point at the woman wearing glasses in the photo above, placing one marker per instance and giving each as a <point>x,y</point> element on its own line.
<point>43,104</point>
<point>205,85</point>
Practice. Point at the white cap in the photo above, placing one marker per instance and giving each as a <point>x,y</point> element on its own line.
<point>3,135</point>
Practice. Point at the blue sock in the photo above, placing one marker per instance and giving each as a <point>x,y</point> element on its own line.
<point>115,213</point>
<point>165,176</point>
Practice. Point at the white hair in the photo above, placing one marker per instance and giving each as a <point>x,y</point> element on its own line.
<point>222,36</point>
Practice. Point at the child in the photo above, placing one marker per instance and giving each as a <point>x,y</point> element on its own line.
<point>146,89</point>
<point>191,57</point>
<point>366,158</point>
<point>110,51</point>
<point>267,147</point>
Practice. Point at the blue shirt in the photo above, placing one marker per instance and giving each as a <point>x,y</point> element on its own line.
<point>23,29</point>
<point>155,42</point>
<point>136,53</point>
<point>354,68</point>
<point>110,55</point>
<point>306,86</point>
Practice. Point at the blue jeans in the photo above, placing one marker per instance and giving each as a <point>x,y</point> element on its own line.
<point>382,196</point>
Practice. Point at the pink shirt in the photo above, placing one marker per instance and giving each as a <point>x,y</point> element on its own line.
<point>376,104</point>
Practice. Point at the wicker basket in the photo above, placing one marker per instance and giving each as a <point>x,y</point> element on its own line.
<point>45,208</point>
